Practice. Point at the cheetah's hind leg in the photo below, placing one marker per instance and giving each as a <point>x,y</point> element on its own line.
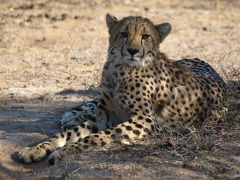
<point>79,114</point>
<point>216,116</point>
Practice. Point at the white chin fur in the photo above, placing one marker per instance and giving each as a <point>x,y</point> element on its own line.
<point>138,61</point>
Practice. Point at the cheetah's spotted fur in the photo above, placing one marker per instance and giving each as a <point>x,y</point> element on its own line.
<point>141,92</point>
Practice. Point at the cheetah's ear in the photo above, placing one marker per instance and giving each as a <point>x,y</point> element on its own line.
<point>163,30</point>
<point>110,20</point>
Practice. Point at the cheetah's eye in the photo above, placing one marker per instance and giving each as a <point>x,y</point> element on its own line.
<point>145,36</point>
<point>124,34</point>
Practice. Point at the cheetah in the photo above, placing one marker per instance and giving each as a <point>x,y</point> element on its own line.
<point>142,92</point>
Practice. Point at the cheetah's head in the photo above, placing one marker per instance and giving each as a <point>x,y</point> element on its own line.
<point>135,40</point>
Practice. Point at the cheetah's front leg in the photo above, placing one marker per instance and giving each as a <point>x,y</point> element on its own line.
<point>42,150</point>
<point>135,128</point>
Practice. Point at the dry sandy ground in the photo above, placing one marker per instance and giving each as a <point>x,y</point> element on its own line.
<point>52,53</point>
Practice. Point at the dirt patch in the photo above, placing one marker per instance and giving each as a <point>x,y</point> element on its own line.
<point>52,54</point>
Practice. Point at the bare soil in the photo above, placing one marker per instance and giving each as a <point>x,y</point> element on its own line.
<point>52,53</point>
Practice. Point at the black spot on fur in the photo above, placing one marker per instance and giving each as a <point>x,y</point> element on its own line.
<point>136,132</point>
<point>139,126</point>
<point>75,129</point>
<point>138,99</point>
<point>118,130</point>
<point>55,136</point>
<point>107,132</point>
<point>131,106</point>
<point>129,128</point>
<point>148,120</point>
<point>85,140</point>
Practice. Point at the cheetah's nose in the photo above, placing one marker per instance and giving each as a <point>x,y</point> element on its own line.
<point>132,51</point>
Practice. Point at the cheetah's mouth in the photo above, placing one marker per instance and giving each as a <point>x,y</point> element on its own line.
<point>132,59</point>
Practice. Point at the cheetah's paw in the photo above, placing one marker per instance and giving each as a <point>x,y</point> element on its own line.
<point>32,154</point>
